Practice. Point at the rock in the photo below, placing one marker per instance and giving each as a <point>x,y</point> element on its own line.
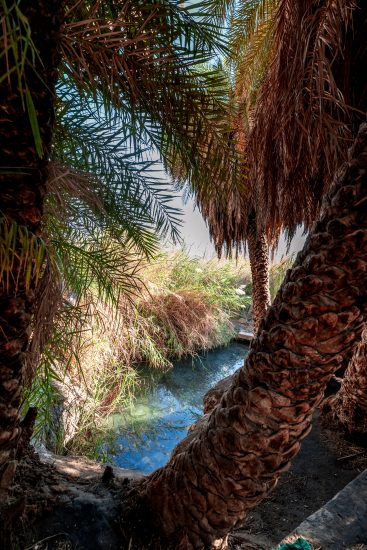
<point>341,522</point>
<point>82,468</point>
<point>72,400</point>
<point>244,336</point>
<point>66,411</point>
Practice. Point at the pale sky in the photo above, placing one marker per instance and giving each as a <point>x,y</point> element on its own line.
<point>196,235</point>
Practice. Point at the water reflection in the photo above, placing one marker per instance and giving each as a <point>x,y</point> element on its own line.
<point>158,419</point>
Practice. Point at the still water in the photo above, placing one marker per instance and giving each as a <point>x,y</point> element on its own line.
<point>171,402</point>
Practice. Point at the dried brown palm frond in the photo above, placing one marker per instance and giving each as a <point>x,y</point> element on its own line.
<point>227,220</point>
<point>49,297</point>
<point>64,182</point>
<point>231,218</point>
<point>307,109</point>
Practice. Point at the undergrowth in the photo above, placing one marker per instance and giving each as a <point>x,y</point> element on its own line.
<point>88,368</point>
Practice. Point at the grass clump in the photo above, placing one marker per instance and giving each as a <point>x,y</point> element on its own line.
<point>182,305</point>
<point>190,302</point>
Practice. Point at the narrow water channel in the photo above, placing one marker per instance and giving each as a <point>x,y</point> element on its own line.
<point>159,418</point>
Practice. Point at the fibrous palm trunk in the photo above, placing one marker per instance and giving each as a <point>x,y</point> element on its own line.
<point>348,408</point>
<point>259,262</point>
<point>231,461</point>
<point>22,179</point>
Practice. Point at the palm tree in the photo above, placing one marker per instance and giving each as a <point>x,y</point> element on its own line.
<point>232,219</point>
<point>320,108</point>
<point>136,62</point>
<point>29,62</point>
<point>235,456</point>
<point>318,122</point>
<point>331,103</point>
<point>232,460</point>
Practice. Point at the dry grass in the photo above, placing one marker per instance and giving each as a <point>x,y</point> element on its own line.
<point>184,306</point>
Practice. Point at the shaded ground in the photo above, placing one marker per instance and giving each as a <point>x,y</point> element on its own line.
<point>68,506</point>
<point>319,471</point>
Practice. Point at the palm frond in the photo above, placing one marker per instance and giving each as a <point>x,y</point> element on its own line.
<point>93,263</point>
<point>129,191</point>
<point>147,60</point>
<point>250,28</point>
<point>22,256</point>
<point>305,115</point>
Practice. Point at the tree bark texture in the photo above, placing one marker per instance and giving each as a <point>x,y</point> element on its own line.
<point>348,408</point>
<point>233,459</point>
<point>259,262</point>
<point>22,183</point>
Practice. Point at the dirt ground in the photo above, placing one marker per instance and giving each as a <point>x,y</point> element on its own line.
<point>76,510</point>
<point>325,464</point>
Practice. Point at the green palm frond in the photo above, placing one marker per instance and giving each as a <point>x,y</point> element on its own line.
<point>95,264</point>
<point>245,20</point>
<point>22,255</point>
<point>146,60</point>
<point>125,191</point>
<point>251,35</point>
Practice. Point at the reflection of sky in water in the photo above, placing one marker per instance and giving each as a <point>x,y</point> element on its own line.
<point>158,420</point>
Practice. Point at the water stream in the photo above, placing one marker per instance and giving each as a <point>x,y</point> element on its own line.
<point>171,402</point>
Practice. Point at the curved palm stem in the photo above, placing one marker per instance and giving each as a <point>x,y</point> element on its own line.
<point>231,461</point>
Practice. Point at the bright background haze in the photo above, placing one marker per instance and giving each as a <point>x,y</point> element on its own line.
<point>197,239</point>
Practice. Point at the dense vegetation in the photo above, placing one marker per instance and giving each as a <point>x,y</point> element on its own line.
<point>182,306</point>
<point>90,369</point>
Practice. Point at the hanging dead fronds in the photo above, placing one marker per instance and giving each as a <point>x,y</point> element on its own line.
<point>49,298</point>
<point>307,109</point>
<point>251,26</point>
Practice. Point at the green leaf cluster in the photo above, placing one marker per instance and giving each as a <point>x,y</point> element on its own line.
<point>20,54</point>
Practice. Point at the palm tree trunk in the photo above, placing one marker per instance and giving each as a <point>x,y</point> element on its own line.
<point>348,408</point>
<point>234,457</point>
<point>259,261</point>
<point>22,180</point>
